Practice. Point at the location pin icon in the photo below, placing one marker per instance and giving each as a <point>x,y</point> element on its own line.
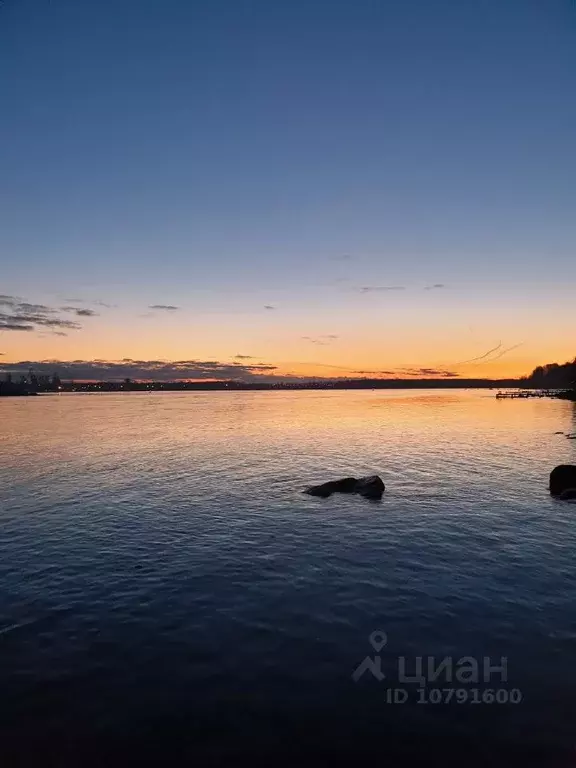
<point>378,640</point>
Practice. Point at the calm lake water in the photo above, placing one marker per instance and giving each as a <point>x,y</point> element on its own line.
<point>169,595</point>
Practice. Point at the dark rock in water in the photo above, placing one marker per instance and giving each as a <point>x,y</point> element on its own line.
<point>369,487</point>
<point>346,485</point>
<point>568,495</point>
<point>562,478</point>
<point>558,433</point>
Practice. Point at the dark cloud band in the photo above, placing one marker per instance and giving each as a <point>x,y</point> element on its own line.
<point>158,370</point>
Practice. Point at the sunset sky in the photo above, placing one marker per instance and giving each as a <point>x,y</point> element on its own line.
<point>289,187</point>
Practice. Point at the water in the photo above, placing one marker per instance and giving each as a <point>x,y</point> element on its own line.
<point>169,595</point>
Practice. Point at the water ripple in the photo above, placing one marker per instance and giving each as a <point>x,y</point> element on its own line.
<point>159,564</point>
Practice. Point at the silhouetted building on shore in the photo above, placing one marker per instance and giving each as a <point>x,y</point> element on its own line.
<point>30,384</point>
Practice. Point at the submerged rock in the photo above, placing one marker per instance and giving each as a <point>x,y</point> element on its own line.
<point>346,485</point>
<point>562,478</point>
<point>568,495</point>
<point>370,487</point>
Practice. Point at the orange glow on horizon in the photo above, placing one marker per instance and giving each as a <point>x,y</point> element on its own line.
<point>349,345</point>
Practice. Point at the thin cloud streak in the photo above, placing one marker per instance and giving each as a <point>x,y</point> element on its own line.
<point>27,322</point>
<point>96,302</point>
<point>323,340</point>
<point>381,288</point>
<point>505,351</point>
<point>426,372</point>
<point>80,312</point>
<point>496,353</point>
<point>480,357</point>
<point>6,325</point>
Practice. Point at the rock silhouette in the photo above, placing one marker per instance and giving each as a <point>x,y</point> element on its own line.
<point>562,478</point>
<point>371,487</point>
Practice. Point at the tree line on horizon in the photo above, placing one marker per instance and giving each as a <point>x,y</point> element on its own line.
<point>553,376</point>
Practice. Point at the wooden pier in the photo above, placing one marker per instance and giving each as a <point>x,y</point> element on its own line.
<point>516,394</point>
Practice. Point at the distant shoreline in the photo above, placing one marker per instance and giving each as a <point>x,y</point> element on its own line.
<point>284,386</point>
<point>281,386</point>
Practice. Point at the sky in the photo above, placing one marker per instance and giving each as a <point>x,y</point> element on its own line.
<point>290,188</point>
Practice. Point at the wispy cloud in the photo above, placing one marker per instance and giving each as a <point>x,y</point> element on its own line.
<point>323,340</point>
<point>80,312</point>
<point>425,372</point>
<point>24,316</point>
<point>269,306</point>
<point>381,288</point>
<point>8,301</point>
<point>435,287</point>
<point>25,307</point>
<point>97,302</point>
<point>164,307</point>
<point>405,373</point>
<point>46,334</point>
<point>7,325</point>
<point>37,319</point>
<point>376,373</point>
<point>243,357</point>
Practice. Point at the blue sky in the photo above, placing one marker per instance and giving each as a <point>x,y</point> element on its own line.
<point>224,155</point>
